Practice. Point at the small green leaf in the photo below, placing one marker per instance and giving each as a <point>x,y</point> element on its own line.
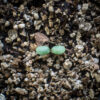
<point>58,50</point>
<point>42,50</point>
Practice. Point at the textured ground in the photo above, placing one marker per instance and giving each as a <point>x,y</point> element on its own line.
<point>25,24</point>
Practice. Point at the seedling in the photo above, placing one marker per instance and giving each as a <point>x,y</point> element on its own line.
<point>42,50</point>
<point>58,50</point>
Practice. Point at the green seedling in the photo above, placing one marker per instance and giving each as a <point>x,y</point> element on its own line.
<point>58,50</point>
<point>42,50</point>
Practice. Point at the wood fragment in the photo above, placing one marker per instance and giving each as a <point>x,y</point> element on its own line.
<point>40,38</point>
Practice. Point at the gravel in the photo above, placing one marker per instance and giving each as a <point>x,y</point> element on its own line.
<point>25,25</point>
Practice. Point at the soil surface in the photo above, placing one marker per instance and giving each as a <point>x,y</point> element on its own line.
<point>27,24</point>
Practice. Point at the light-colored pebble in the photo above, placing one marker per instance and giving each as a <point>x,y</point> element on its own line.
<point>2,97</point>
<point>21,91</point>
<point>51,9</point>
<point>36,15</point>
<point>15,27</point>
<point>85,6</point>
<point>79,47</point>
<point>21,26</point>
<point>98,35</point>
<point>7,23</point>
<point>67,64</point>
<point>85,26</point>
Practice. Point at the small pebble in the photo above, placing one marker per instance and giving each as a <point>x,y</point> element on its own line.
<point>15,27</point>
<point>96,60</point>
<point>36,16</point>
<point>21,91</point>
<point>67,64</point>
<point>85,26</point>
<point>79,47</point>
<point>2,97</point>
<point>98,36</point>
<point>7,23</point>
<point>21,26</point>
<point>85,6</point>
<point>51,9</point>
